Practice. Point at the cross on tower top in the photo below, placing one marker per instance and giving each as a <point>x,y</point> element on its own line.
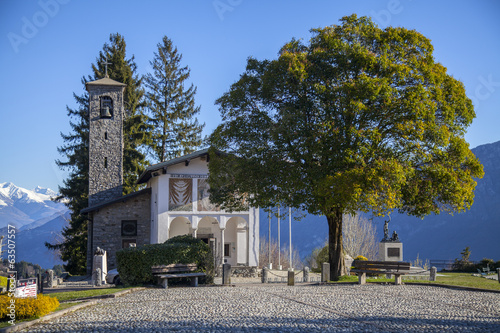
<point>106,63</point>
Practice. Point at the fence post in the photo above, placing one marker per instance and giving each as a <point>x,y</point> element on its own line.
<point>291,278</point>
<point>498,273</point>
<point>264,274</point>
<point>433,274</point>
<point>325,272</point>
<point>306,274</point>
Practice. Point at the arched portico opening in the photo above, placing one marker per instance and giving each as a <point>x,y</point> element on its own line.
<point>236,241</point>
<point>179,226</point>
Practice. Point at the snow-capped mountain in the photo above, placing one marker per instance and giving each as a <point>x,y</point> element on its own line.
<point>19,206</point>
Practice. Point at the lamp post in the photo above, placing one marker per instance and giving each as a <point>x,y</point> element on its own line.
<point>270,265</point>
<point>279,241</point>
<point>290,234</point>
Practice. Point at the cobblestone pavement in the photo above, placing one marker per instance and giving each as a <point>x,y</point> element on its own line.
<point>280,308</point>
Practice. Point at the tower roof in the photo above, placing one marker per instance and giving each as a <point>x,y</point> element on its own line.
<point>105,82</point>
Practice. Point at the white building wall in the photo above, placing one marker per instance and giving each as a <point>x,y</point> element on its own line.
<point>246,241</point>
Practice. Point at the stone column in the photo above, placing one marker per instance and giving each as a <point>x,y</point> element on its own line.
<point>265,272</point>
<point>98,277</point>
<point>222,246</point>
<point>325,272</point>
<point>433,274</point>
<point>195,232</point>
<point>306,274</point>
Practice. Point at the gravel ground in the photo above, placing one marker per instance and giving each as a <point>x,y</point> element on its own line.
<point>280,308</point>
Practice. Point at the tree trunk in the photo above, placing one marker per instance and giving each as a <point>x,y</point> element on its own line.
<point>335,248</point>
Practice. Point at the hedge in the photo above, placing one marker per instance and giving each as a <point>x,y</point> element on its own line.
<point>27,307</point>
<point>134,264</point>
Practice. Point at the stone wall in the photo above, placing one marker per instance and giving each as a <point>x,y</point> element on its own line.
<point>105,145</point>
<point>106,225</point>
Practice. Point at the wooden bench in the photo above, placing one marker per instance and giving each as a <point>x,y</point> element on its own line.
<point>165,272</point>
<point>380,267</point>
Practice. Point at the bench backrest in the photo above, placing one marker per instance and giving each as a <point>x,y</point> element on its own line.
<point>375,265</point>
<point>174,268</point>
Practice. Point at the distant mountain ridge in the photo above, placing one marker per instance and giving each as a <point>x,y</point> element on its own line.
<point>20,206</point>
<point>435,237</point>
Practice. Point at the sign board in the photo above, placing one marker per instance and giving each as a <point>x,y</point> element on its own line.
<point>26,288</point>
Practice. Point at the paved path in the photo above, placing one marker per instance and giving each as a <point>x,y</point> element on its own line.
<point>280,308</point>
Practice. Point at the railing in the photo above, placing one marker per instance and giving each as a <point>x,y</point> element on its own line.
<point>446,264</point>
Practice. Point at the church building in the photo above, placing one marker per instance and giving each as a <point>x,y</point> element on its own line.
<point>174,202</point>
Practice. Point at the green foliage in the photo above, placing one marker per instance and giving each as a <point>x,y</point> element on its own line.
<point>134,264</point>
<point>358,119</point>
<point>464,265</point>
<point>322,257</point>
<point>172,110</point>
<point>28,307</point>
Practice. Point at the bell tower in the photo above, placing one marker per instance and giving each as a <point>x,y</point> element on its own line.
<point>105,140</point>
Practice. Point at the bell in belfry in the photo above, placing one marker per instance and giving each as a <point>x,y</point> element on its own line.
<point>105,113</point>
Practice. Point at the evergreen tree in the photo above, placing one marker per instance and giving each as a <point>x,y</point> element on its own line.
<point>176,130</point>
<point>75,190</point>
<point>76,187</point>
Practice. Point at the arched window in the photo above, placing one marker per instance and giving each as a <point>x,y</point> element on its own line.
<point>106,107</point>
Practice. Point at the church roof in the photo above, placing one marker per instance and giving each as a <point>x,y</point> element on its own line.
<point>119,199</point>
<point>146,175</point>
<point>105,82</point>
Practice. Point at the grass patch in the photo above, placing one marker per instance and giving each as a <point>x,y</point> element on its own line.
<point>73,295</point>
<point>64,306</point>
<point>465,280</point>
<point>453,279</point>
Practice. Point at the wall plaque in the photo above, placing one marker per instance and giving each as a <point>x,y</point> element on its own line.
<point>393,251</point>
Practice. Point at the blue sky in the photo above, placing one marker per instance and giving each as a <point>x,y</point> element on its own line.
<point>48,45</point>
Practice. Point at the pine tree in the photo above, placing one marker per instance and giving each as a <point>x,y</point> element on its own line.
<point>176,130</point>
<point>76,187</point>
<point>75,190</point>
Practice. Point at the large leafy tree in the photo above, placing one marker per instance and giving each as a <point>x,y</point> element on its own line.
<point>358,119</point>
<point>175,128</point>
<point>75,190</point>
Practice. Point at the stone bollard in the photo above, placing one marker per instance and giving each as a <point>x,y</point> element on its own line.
<point>39,283</point>
<point>291,278</point>
<point>98,277</point>
<point>325,272</point>
<point>306,274</point>
<point>433,274</point>
<point>265,272</point>
<point>498,273</point>
<point>226,274</point>
<point>50,278</point>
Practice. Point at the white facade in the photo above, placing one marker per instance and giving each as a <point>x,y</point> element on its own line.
<point>180,206</point>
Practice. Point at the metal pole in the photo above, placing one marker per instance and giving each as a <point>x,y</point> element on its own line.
<point>279,242</point>
<point>269,245</point>
<point>290,233</point>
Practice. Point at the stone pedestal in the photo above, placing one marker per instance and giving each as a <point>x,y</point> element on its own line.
<point>391,251</point>
<point>101,263</point>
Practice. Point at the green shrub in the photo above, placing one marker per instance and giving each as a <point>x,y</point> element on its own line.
<point>28,307</point>
<point>134,264</point>
<point>360,257</point>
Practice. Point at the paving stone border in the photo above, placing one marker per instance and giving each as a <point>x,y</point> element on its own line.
<point>57,314</point>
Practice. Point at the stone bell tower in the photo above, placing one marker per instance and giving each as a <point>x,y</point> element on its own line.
<point>106,114</point>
